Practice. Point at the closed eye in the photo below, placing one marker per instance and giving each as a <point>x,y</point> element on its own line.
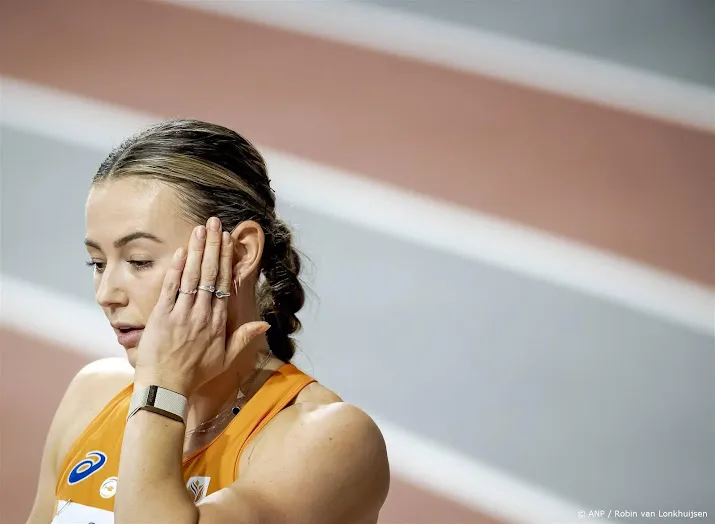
<point>138,265</point>
<point>141,264</point>
<point>98,266</point>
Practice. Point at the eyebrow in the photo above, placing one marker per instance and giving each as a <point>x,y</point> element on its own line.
<point>125,240</point>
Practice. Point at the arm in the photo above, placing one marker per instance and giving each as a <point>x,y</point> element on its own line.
<point>104,378</point>
<point>316,466</point>
<point>43,507</point>
<point>152,487</point>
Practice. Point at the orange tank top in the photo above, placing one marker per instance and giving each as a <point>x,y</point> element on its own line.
<point>88,477</point>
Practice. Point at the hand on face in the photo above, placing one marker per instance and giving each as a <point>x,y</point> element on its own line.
<point>184,343</point>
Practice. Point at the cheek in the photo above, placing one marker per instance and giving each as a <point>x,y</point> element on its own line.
<point>149,287</point>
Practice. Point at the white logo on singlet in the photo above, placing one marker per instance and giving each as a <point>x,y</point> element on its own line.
<point>198,487</point>
<point>108,488</point>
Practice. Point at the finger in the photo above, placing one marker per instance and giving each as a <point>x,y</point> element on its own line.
<point>192,269</point>
<point>209,266</point>
<point>242,337</point>
<point>172,280</point>
<point>223,281</point>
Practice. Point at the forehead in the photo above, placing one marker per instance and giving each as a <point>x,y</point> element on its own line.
<point>119,207</point>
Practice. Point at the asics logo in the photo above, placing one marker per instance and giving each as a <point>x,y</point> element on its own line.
<point>94,462</point>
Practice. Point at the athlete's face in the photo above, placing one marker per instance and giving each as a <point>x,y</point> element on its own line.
<point>133,230</point>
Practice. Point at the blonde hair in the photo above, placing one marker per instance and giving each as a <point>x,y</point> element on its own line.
<point>217,172</point>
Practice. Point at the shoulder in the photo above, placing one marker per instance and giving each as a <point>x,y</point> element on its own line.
<point>337,431</point>
<point>307,401</point>
<point>316,393</point>
<point>333,455</point>
<point>97,383</point>
<point>309,423</point>
<point>114,366</point>
<point>92,388</point>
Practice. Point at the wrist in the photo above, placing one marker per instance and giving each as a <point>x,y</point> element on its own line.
<point>159,400</point>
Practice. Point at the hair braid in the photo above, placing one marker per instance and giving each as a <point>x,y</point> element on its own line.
<point>281,294</point>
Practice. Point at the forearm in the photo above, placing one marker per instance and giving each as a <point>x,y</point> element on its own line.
<point>150,487</point>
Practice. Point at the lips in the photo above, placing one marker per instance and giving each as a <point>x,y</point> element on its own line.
<point>128,335</point>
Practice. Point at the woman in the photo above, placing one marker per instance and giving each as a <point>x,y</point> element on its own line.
<point>206,421</point>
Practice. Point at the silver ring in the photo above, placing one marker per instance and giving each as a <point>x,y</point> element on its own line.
<point>210,289</point>
<point>188,292</point>
<point>222,294</point>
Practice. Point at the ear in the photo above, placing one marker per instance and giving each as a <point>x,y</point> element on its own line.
<point>248,241</point>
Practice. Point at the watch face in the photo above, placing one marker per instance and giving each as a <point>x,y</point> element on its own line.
<point>151,396</point>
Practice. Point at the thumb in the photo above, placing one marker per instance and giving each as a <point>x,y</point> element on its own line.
<point>242,337</point>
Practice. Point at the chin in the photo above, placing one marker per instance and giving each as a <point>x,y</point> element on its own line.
<point>132,356</point>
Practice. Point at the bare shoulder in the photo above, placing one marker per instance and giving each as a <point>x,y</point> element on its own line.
<point>339,420</point>
<point>111,367</point>
<point>309,398</point>
<point>90,390</point>
<point>334,451</point>
<point>97,383</point>
<point>316,393</point>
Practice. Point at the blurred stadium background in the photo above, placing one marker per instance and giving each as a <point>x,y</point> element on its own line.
<point>508,208</point>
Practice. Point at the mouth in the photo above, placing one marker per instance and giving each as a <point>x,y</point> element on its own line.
<point>128,335</point>
<point>128,329</point>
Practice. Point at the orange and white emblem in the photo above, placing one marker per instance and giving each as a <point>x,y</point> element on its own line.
<point>108,488</point>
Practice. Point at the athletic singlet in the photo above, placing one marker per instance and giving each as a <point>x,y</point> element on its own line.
<point>88,477</point>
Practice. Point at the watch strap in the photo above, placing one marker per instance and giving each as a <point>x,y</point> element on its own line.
<point>159,400</point>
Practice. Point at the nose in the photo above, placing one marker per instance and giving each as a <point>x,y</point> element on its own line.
<point>109,292</point>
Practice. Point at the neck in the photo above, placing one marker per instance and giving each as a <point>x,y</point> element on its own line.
<point>220,393</point>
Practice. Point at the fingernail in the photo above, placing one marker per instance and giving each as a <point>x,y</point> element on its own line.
<point>201,232</point>
<point>226,238</point>
<point>263,329</point>
<point>180,253</point>
<point>214,224</point>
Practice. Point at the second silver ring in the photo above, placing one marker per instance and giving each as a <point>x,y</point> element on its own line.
<point>210,289</point>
